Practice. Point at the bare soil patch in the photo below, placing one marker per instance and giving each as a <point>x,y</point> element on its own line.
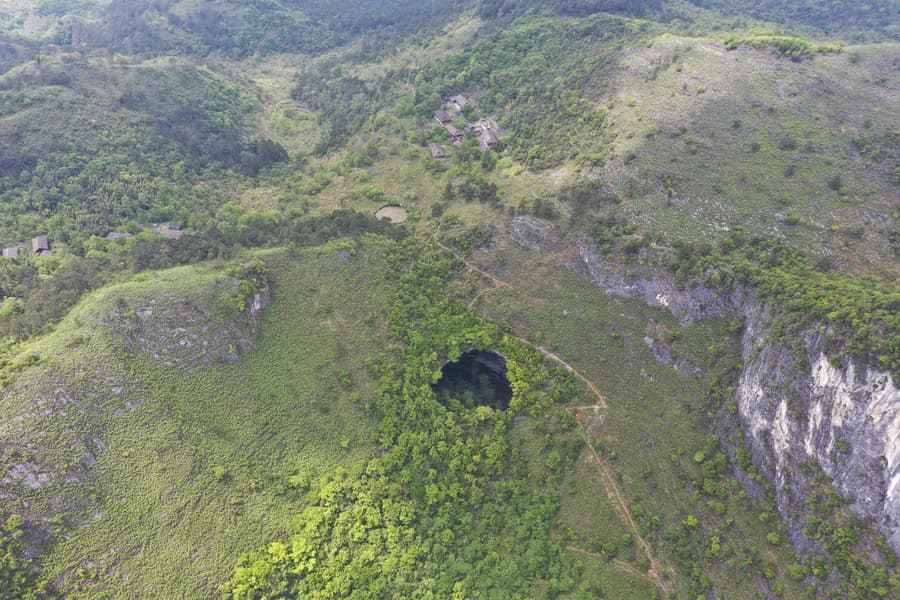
<point>396,214</point>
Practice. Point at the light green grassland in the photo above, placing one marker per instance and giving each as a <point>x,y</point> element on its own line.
<point>586,519</point>
<point>161,476</point>
<point>165,524</point>
<point>199,464</point>
<point>601,580</point>
<point>700,139</point>
<point>703,139</point>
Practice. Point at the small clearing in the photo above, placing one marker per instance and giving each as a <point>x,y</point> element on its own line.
<point>392,212</point>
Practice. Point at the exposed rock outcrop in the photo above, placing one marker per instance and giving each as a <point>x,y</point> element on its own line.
<point>655,340</point>
<point>793,404</point>
<point>657,288</point>
<point>187,333</point>
<point>533,234</point>
<point>796,406</point>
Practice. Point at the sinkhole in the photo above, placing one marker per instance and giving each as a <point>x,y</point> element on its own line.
<point>477,378</point>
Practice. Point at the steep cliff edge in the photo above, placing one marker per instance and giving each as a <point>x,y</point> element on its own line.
<point>794,405</point>
<point>801,415</point>
<point>797,407</point>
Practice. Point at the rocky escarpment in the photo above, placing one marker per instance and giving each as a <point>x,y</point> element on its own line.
<point>795,407</point>
<point>183,332</point>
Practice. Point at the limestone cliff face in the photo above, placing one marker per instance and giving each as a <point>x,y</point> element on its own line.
<point>184,332</point>
<point>794,405</point>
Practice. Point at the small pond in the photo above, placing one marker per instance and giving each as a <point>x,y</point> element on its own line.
<point>392,212</point>
<point>478,378</point>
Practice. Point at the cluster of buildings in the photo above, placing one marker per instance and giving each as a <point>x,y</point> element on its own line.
<point>444,119</point>
<point>40,245</point>
<point>484,133</point>
<point>482,130</point>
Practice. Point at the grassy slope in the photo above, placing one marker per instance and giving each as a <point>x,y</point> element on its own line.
<point>152,518</point>
<point>701,138</point>
<point>163,524</point>
<point>586,518</point>
<point>697,139</point>
<point>187,438</point>
<point>724,127</point>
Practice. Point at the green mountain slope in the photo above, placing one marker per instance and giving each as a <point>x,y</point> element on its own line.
<point>171,456</point>
<point>710,138</point>
<point>238,29</point>
<point>247,411</point>
<point>98,160</point>
<point>840,18</point>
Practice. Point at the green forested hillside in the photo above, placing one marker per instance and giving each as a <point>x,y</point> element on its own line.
<point>85,161</point>
<point>850,20</point>
<point>231,395</point>
<point>237,29</point>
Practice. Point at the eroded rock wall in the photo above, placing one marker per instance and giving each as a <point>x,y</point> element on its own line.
<point>794,405</point>
<point>186,333</point>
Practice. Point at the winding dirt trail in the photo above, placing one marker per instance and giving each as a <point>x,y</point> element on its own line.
<point>615,495</point>
<point>621,506</point>
<point>601,401</point>
<point>497,283</point>
<point>617,498</point>
<point>618,564</point>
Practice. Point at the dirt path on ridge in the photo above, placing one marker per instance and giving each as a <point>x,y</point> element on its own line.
<point>497,283</point>
<point>601,401</point>
<point>620,504</point>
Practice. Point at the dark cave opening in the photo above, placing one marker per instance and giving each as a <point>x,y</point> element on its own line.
<point>478,378</point>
